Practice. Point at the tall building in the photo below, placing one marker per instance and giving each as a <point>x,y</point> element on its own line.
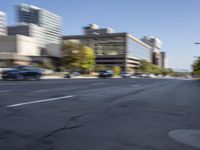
<point>163,60</point>
<point>50,22</point>
<point>3,31</point>
<point>156,46</point>
<point>113,49</point>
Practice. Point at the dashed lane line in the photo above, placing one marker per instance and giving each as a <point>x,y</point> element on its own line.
<point>40,101</point>
<point>4,91</point>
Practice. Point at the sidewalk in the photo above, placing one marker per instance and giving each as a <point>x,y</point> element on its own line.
<point>52,77</point>
<point>61,77</point>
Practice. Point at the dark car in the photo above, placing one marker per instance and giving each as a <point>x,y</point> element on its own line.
<point>105,74</point>
<point>22,73</point>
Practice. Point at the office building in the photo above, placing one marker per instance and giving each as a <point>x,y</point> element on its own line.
<point>163,59</point>
<point>30,30</point>
<point>9,59</point>
<point>17,48</point>
<point>113,49</point>
<point>22,45</point>
<point>156,46</point>
<point>3,31</point>
<point>50,22</point>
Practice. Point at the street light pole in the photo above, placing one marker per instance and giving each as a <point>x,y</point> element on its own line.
<point>197,43</point>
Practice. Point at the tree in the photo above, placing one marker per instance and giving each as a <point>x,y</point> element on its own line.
<point>148,67</point>
<point>116,70</point>
<point>87,62</point>
<point>77,57</point>
<point>47,64</point>
<point>196,67</point>
<point>69,58</point>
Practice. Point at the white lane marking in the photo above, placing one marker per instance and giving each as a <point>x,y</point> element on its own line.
<point>5,91</point>
<point>41,101</point>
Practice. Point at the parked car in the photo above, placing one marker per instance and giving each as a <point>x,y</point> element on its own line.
<point>72,74</point>
<point>46,71</point>
<point>22,73</point>
<point>105,74</point>
<point>125,75</point>
<point>141,75</point>
<point>151,76</point>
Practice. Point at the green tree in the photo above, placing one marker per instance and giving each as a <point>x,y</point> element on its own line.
<point>116,70</point>
<point>47,64</point>
<point>196,67</point>
<point>147,67</point>
<point>87,62</point>
<point>77,57</point>
<point>69,59</point>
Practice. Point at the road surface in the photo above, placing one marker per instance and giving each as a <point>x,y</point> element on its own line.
<point>98,114</point>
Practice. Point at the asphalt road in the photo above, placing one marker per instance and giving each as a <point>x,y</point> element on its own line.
<point>97,114</point>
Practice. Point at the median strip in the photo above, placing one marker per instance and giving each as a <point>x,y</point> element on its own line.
<point>40,101</point>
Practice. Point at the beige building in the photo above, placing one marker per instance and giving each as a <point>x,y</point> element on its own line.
<point>30,30</point>
<point>17,49</point>
<point>8,59</point>
<point>22,45</point>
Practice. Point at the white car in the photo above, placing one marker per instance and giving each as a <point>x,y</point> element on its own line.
<point>151,76</point>
<point>125,75</point>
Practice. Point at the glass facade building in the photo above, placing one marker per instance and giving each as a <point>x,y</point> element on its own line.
<point>115,49</point>
<point>50,22</point>
<point>156,44</point>
<point>106,46</point>
<point>3,30</point>
<point>138,50</point>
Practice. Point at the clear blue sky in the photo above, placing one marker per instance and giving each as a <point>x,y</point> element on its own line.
<point>175,22</point>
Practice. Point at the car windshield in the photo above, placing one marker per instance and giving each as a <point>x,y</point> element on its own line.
<point>103,71</point>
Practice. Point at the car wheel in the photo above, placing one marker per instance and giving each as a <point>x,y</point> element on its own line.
<point>37,77</point>
<point>4,79</point>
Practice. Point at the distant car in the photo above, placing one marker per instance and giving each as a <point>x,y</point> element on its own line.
<point>141,75</point>
<point>105,74</point>
<point>22,73</point>
<point>71,75</point>
<point>151,76</point>
<point>46,71</point>
<point>125,75</point>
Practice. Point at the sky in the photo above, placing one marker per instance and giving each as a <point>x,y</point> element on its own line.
<point>175,22</point>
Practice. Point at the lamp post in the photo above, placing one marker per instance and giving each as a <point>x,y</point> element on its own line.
<point>197,43</point>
